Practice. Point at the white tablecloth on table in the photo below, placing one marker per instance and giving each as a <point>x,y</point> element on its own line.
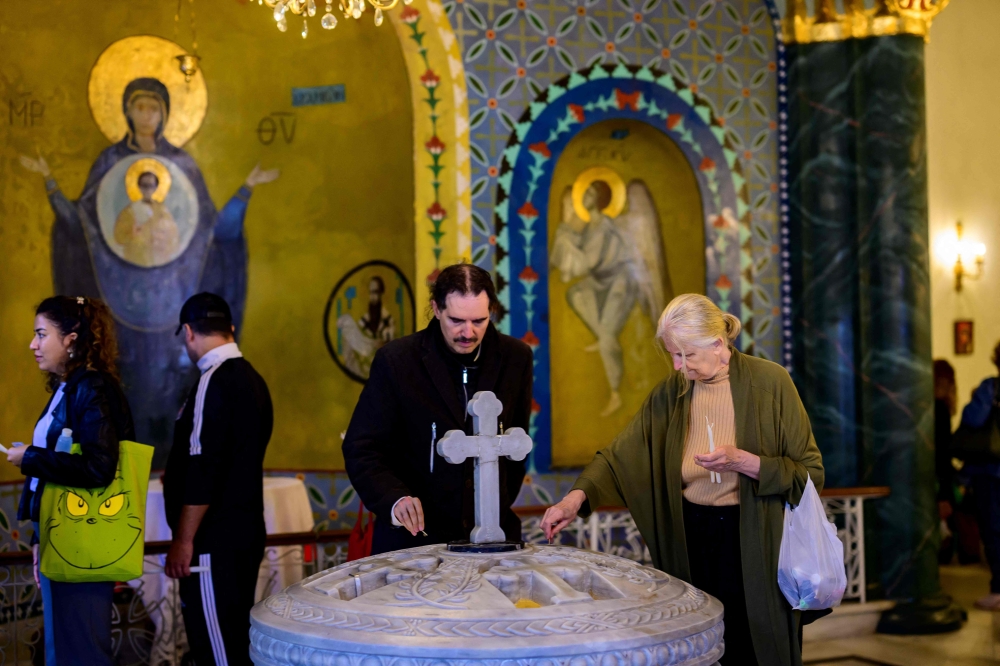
<point>286,509</point>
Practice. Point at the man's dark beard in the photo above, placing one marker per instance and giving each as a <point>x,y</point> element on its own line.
<point>374,316</point>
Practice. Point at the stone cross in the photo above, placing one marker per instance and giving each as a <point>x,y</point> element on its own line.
<point>486,446</point>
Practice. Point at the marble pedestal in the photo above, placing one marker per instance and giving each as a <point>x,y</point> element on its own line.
<point>541,605</point>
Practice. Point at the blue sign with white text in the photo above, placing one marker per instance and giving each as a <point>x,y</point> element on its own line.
<point>319,95</point>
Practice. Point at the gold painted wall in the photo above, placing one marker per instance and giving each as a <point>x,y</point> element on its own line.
<point>579,388</point>
<point>345,194</point>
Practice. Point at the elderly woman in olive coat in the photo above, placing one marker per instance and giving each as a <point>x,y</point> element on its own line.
<point>712,518</point>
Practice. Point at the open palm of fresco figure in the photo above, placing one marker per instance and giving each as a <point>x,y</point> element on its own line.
<point>609,243</point>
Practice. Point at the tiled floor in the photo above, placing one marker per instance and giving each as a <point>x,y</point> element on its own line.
<point>976,644</point>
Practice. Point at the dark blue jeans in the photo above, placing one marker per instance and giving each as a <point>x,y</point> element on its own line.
<point>987,491</point>
<point>77,620</point>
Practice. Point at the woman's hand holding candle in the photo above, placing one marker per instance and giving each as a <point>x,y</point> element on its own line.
<point>730,459</point>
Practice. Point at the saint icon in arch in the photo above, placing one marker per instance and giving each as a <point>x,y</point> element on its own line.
<point>144,235</point>
<point>609,242</point>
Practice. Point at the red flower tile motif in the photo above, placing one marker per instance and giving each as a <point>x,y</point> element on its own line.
<point>531,340</point>
<point>435,146</point>
<point>432,278</point>
<point>535,407</point>
<point>723,283</point>
<point>436,212</point>
<point>631,100</point>
<point>706,164</point>
<point>528,210</point>
<point>410,15</point>
<point>540,148</point>
<point>577,112</point>
<point>673,119</point>
<point>528,275</point>
<point>430,79</point>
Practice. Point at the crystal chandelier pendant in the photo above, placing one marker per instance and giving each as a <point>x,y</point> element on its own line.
<point>305,28</point>
<point>329,21</point>
<point>282,24</point>
<point>311,8</point>
<point>279,10</point>
<point>378,16</point>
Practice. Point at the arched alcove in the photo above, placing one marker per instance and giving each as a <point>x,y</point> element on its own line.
<point>606,304</point>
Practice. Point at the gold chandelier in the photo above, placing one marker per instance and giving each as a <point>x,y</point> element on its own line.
<point>306,8</point>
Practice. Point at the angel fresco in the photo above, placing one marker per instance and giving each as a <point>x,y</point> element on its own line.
<point>144,235</point>
<point>609,240</point>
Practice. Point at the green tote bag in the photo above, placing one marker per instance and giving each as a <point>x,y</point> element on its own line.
<point>92,535</point>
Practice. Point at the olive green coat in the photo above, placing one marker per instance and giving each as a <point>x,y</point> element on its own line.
<point>642,470</point>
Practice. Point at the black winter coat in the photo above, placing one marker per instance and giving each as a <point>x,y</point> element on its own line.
<point>412,385</point>
<point>94,406</point>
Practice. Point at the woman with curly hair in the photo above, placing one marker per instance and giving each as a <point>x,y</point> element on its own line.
<point>74,343</point>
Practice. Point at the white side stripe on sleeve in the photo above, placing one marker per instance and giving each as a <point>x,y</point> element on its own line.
<point>199,410</point>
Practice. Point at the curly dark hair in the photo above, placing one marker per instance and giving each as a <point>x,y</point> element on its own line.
<point>96,346</point>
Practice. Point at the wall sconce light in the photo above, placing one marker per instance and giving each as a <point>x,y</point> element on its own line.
<point>969,257</point>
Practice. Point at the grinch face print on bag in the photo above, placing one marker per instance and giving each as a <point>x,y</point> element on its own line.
<point>93,529</point>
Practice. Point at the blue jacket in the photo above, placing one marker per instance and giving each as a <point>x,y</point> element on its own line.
<point>975,415</point>
<point>94,406</point>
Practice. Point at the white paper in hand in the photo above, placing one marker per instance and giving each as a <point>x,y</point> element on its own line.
<point>811,571</point>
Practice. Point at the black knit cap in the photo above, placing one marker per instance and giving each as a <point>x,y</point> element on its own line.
<point>204,306</point>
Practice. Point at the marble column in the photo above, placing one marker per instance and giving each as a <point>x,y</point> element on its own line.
<point>861,287</point>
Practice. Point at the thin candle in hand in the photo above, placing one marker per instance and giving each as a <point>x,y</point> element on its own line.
<point>714,477</point>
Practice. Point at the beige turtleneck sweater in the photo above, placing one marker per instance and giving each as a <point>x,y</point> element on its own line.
<point>713,399</point>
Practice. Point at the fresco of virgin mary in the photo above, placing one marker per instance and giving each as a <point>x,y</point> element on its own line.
<point>206,251</point>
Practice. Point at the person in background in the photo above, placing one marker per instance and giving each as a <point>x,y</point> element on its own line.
<point>956,504</point>
<point>74,344</point>
<point>213,487</point>
<point>986,483</point>
<point>419,389</point>
<point>661,466</point>
<point>944,409</point>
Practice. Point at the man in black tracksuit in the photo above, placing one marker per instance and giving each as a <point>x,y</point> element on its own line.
<point>213,487</point>
<point>418,389</point>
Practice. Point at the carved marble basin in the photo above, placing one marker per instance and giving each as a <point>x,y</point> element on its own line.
<point>548,605</point>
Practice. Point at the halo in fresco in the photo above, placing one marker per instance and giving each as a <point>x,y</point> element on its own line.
<point>369,307</point>
<point>614,181</point>
<point>148,165</point>
<point>138,57</point>
<point>147,233</point>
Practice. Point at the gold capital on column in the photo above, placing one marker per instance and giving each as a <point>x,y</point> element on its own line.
<point>861,18</point>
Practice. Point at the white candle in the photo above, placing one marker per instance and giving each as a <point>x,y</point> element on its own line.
<point>714,477</point>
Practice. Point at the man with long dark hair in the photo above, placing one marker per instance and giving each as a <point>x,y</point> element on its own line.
<point>418,389</point>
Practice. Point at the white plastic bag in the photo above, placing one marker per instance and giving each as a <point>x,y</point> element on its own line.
<point>811,571</point>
